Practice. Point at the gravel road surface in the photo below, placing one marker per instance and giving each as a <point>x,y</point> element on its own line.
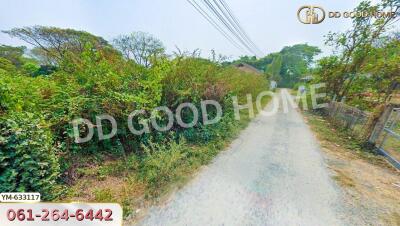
<point>272,174</point>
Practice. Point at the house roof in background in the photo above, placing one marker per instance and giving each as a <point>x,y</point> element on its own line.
<point>248,68</point>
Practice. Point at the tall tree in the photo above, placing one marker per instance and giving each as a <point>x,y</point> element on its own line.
<point>354,45</point>
<point>57,44</point>
<point>274,69</point>
<point>296,61</point>
<point>140,47</point>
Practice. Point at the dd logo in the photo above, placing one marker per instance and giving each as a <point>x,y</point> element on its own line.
<point>311,14</point>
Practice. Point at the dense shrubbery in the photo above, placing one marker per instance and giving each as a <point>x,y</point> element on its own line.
<point>28,158</point>
<point>36,109</point>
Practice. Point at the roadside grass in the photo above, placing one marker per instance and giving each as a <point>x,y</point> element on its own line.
<point>137,182</point>
<point>343,179</point>
<point>342,138</point>
<point>369,183</point>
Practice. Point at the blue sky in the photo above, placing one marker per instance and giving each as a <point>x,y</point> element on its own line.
<point>271,24</point>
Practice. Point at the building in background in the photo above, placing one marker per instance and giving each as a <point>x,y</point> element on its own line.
<point>248,68</point>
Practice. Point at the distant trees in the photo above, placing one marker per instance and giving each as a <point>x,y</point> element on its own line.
<point>13,59</point>
<point>274,69</point>
<point>54,44</point>
<point>286,66</point>
<point>296,61</point>
<point>140,47</point>
<point>13,54</point>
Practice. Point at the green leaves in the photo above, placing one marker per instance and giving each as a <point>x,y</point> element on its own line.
<point>365,68</point>
<point>286,66</point>
<point>28,161</point>
<point>91,78</point>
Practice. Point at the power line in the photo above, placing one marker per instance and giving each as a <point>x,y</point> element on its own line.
<point>236,21</point>
<point>227,16</point>
<point>226,23</point>
<point>228,26</point>
<point>214,24</point>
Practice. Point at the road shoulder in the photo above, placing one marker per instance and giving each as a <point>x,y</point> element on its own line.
<point>370,185</point>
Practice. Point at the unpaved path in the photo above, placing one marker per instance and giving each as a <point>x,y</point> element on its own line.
<point>273,174</point>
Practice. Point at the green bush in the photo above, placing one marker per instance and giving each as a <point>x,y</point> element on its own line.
<point>96,80</point>
<point>159,165</point>
<point>28,161</point>
<point>6,65</point>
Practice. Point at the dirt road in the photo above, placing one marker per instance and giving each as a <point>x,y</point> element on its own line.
<point>273,174</point>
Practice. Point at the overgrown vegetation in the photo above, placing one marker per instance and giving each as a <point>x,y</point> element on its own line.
<point>28,157</point>
<point>74,74</point>
<point>165,166</point>
<point>365,69</point>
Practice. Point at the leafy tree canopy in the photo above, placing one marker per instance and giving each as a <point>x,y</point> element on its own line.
<point>140,47</point>
<point>56,44</point>
<point>13,54</point>
<point>286,66</point>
